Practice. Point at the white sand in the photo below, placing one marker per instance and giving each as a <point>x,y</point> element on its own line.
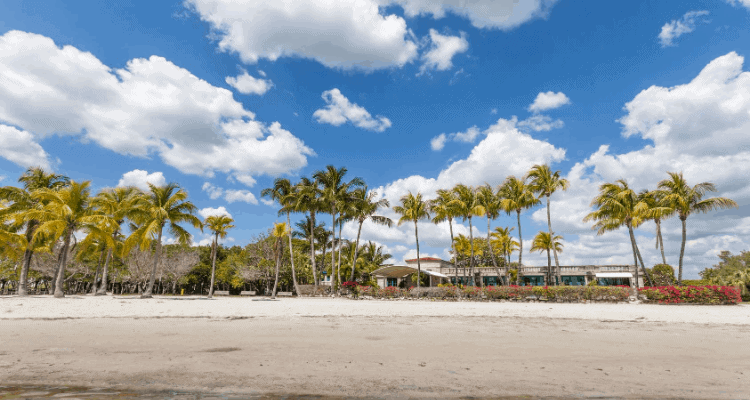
<point>41,307</point>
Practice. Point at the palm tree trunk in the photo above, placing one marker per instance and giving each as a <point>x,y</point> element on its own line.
<point>356,250</point>
<point>22,291</point>
<point>338,265</point>
<point>98,269</point>
<point>637,273</point>
<point>149,289</point>
<point>492,253</point>
<point>554,251</point>
<point>419,265</point>
<point>520,247</point>
<point>279,246</point>
<point>214,247</point>
<point>291,255</point>
<point>682,248</point>
<point>103,288</point>
<point>471,260</point>
<point>660,240</point>
<point>549,267</point>
<point>453,248</point>
<point>333,251</point>
<point>312,249</point>
<point>636,255</point>
<point>59,281</point>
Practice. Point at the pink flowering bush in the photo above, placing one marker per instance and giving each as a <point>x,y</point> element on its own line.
<point>691,294</point>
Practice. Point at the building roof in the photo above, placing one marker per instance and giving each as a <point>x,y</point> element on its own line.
<point>426,259</point>
<point>400,271</point>
<point>614,275</point>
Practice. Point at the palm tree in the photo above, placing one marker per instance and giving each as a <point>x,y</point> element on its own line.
<point>656,210</point>
<point>364,207</point>
<point>280,230</point>
<point>283,192</point>
<point>373,256</point>
<point>468,205</point>
<point>118,203</point>
<point>544,241</point>
<point>619,205</point>
<point>443,210</point>
<point>333,191</point>
<point>162,206</point>
<point>506,243</point>
<point>65,211</point>
<point>308,199</point>
<point>686,200</point>
<point>34,178</point>
<point>516,195</point>
<point>545,182</point>
<point>413,209</point>
<point>219,225</point>
<point>490,201</point>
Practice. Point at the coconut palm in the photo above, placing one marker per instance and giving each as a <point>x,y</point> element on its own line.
<point>517,196</point>
<point>283,192</point>
<point>544,241</point>
<point>308,199</point>
<point>65,211</point>
<point>545,182</point>
<point>373,256</point>
<point>218,225</point>
<point>657,211</point>
<point>163,206</point>
<point>617,205</point>
<point>443,210</point>
<point>20,200</point>
<point>413,209</point>
<point>686,200</point>
<point>280,230</point>
<point>118,203</point>
<point>490,201</point>
<point>333,190</point>
<point>364,207</point>
<point>506,244</point>
<point>467,205</point>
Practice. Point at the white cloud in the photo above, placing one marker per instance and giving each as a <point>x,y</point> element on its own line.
<point>438,142</point>
<point>548,101</point>
<point>340,110</point>
<point>745,3</point>
<point>538,122</point>
<point>247,84</point>
<point>208,211</point>
<point>499,14</point>
<point>267,202</point>
<point>240,195</point>
<point>442,51</point>
<point>678,27</point>
<point>149,107</point>
<point>20,148</point>
<point>140,179</point>
<point>337,33</point>
<point>214,192</point>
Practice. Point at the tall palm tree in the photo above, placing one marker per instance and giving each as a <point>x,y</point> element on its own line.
<point>308,198</point>
<point>442,209</point>
<point>20,199</point>
<point>657,211</point>
<point>333,191</point>
<point>545,182</point>
<point>373,256</point>
<point>490,201</point>
<point>280,230</point>
<point>163,206</point>
<point>364,207</point>
<point>617,205</point>
<point>413,209</point>
<point>218,225</point>
<point>118,203</point>
<point>517,196</point>
<point>65,211</point>
<point>506,243</point>
<point>285,194</point>
<point>686,200</point>
<point>544,241</point>
<point>468,205</point>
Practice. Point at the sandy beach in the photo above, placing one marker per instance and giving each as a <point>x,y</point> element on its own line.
<point>381,349</point>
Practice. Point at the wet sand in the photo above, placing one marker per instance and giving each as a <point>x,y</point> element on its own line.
<point>376,349</point>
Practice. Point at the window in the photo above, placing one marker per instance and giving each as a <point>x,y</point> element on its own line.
<point>392,282</point>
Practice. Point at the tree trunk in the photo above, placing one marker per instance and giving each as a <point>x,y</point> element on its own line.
<point>280,248</point>
<point>637,272</point>
<point>554,250</point>
<point>291,255</point>
<point>356,251</point>
<point>636,256</point>
<point>338,265</point>
<point>333,251</point>
<point>59,281</point>
<point>419,265</point>
<point>312,250</point>
<point>157,257</point>
<point>549,267</point>
<point>520,248</point>
<point>471,260</point>
<point>96,275</point>
<point>682,248</point>
<point>453,248</point>
<point>103,287</point>
<point>214,249</point>
<point>22,291</point>
<point>660,240</point>
<point>492,253</point>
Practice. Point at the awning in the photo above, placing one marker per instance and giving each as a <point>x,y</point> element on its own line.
<point>614,275</point>
<point>400,271</point>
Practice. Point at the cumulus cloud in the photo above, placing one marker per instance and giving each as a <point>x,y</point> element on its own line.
<point>438,142</point>
<point>745,3</point>
<point>208,211</point>
<point>678,27</point>
<point>230,195</point>
<point>20,147</point>
<point>538,123</point>
<point>442,50</point>
<point>548,101</point>
<point>214,192</point>
<point>340,110</point>
<point>140,179</point>
<point>248,84</point>
<point>338,33</point>
<point>149,107</point>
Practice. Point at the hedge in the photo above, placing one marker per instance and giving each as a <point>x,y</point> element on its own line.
<point>692,294</point>
<point>450,292</point>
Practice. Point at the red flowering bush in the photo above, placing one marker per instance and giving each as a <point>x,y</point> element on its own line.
<point>349,284</point>
<point>389,293</point>
<point>691,294</point>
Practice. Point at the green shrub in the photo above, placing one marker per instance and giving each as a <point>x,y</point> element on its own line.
<point>692,294</point>
<point>661,275</point>
<point>695,282</point>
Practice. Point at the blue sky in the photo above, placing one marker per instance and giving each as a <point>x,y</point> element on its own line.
<point>222,97</point>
